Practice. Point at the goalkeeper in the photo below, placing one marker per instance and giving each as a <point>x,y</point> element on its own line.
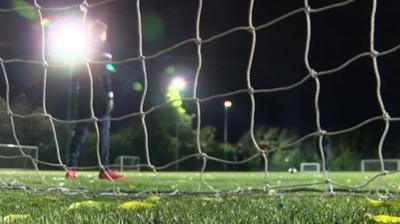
<point>103,102</point>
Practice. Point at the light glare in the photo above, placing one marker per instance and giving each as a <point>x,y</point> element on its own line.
<point>45,22</point>
<point>67,41</point>
<point>227,103</point>
<point>179,83</point>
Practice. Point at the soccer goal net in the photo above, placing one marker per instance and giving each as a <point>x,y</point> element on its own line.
<point>256,52</point>
<point>18,156</point>
<point>375,164</point>
<point>127,163</point>
<point>310,167</point>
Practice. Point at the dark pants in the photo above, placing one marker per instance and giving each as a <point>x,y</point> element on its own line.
<point>78,139</point>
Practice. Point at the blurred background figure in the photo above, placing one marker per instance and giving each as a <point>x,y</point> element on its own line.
<point>242,154</point>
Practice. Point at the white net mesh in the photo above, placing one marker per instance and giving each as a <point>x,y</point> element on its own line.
<point>200,41</point>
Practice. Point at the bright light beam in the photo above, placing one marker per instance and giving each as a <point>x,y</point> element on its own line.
<point>178,83</point>
<point>173,93</point>
<point>227,103</point>
<point>67,41</point>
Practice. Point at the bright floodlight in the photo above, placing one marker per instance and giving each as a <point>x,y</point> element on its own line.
<point>178,83</point>
<point>227,103</point>
<point>67,41</point>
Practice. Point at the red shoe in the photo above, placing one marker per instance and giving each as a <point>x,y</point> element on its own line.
<point>71,174</point>
<point>112,173</point>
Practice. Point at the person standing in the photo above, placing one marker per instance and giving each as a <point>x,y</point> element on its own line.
<point>241,154</point>
<point>103,101</point>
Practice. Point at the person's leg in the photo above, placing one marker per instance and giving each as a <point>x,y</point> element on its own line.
<point>78,138</point>
<point>104,131</point>
<point>104,149</point>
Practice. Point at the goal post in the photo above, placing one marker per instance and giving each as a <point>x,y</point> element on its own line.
<point>11,156</point>
<point>310,167</point>
<point>375,165</point>
<point>127,163</point>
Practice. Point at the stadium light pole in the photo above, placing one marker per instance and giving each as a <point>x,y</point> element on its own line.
<point>227,105</point>
<point>179,84</point>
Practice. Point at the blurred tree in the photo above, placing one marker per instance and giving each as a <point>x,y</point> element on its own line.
<point>33,130</point>
<point>274,139</point>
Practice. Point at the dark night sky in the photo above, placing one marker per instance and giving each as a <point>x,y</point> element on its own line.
<point>347,97</point>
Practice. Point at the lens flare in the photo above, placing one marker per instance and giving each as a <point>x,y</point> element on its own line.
<point>137,86</point>
<point>24,9</point>
<point>45,22</point>
<point>153,27</point>
<point>111,68</point>
<point>178,83</point>
<point>170,70</point>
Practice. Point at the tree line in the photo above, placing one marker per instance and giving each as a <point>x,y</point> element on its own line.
<point>172,135</point>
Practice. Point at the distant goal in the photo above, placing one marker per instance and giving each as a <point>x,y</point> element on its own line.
<point>310,167</point>
<point>18,156</point>
<point>375,165</point>
<point>127,163</point>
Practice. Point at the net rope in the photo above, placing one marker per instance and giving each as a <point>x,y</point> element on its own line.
<point>200,41</point>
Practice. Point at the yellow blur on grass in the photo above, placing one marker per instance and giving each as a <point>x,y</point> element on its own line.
<point>14,218</point>
<point>383,203</point>
<point>152,199</point>
<point>135,205</point>
<point>384,218</point>
<point>86,204</point>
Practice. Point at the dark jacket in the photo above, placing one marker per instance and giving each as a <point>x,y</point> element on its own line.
<point>102,83</point>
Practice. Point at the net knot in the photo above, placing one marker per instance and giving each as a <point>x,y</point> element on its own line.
<point>322,132</point>
<point>45,64</point>
<point>374,53</point>
<point>142,57</point>
<point>1,60</point>
<point>251,29</point>
<point>313,73</point>
<point>328,181</point>
<point>250,90</point>
<point>37,6</point>
<point>198,41</point>
<point>266,188</point>
<point>101,167</point>
<point>84,6</point>
<point>263,152</point>
<point>203,155</point>
<point>152,167</point>
<point>307,9</point>
<point>386,116</point>
<point>143,114</point>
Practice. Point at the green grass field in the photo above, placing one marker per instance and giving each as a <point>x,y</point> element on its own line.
<point>195,203</point>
